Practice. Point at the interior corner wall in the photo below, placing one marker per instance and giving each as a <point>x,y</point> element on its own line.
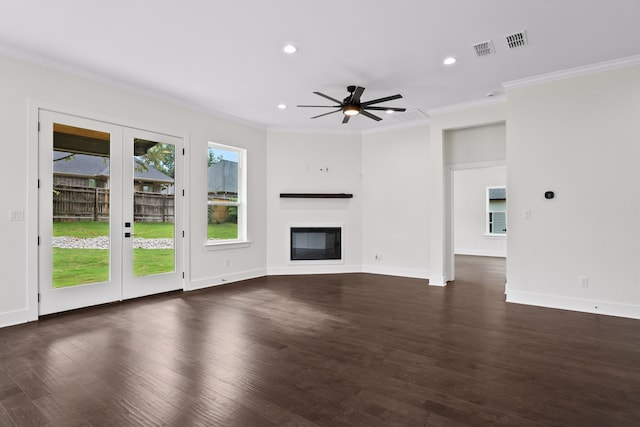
<point>580,138</point>
<point>25,86</point>
<point>299,162</point>
<point>396,202</point>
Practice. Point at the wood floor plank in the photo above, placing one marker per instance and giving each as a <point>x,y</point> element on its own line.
<point>324,350</point>
<point>5,419</point>
<point>22,411</point>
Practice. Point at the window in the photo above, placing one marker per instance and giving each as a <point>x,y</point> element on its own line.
<point>226,203</point>
<point>497,210</point>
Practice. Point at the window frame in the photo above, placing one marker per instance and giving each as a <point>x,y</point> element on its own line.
<point>489,213</point>
<point>240,203</point>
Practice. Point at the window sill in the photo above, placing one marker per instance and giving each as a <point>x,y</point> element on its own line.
<point>222,245</point>
<point>495,236</point>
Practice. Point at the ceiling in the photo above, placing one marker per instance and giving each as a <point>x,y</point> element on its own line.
<point>226,57</point>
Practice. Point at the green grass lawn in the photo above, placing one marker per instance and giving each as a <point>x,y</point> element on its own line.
<point>88,229</point>
<point>80,266</point>
<point>81,229</point>
<point>226,230</point>
<point>145,230</point>
<point>153,261</point>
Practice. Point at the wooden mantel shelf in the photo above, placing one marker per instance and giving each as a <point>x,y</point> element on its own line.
<point>316,195</point>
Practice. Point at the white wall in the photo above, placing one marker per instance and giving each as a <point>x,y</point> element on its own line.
<point>475,145</point>
<point>580,138</point>
<point>470,212</point>
<point>577,136</point>
<point>313,163</point>
<point>396,202</point>
<point>24,87</point>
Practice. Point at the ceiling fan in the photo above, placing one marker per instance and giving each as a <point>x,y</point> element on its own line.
<point>351,105</point>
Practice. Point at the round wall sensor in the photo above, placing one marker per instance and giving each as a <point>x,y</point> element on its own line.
<point>549,195</point>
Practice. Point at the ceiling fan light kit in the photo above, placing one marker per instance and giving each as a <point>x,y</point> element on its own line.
<point>352,105</point>
<point>351,110</point>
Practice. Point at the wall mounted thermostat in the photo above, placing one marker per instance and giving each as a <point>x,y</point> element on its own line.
<point>549,195</point>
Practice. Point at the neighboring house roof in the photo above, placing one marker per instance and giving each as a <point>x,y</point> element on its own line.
<point>223,177</point>
<point>497,194</point>
<point>94,166</point>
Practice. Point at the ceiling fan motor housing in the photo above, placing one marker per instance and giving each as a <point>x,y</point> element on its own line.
<point>351,105</point>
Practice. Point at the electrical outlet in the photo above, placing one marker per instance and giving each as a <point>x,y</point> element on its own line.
<point>378,257</point>
<point>227,263</point>
<point>584,281</point>
<point>526,214</point>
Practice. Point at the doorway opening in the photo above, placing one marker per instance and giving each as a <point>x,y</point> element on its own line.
<point>474,163</point>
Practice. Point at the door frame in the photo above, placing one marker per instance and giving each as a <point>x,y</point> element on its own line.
<point>31,296</point>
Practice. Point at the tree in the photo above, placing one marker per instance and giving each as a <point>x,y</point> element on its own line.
<point>213,158</point>
<point>160,157</point>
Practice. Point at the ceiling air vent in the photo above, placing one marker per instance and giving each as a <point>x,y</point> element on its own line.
<point>483,48</point>
<point>516,40</point>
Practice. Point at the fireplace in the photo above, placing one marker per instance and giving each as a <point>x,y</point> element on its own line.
<point>316,243</point>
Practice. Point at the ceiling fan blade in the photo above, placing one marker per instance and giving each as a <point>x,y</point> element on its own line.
<point>379,100</point>
<point>355,97</point>
<point>328,97</point>
<point>346,119</point>
<point>325,114</point>
<point>400,110</point>
<point>371,116</point>
<point>320,106</point>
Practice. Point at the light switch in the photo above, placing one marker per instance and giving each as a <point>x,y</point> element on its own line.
<point>16,215</point>
<point>526,214</point>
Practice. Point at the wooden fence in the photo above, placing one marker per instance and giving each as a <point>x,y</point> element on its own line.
<point>92,204</point>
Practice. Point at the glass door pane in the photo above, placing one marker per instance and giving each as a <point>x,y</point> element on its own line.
<point>152,212</point>
<point>153,208</point>
<point>80,215</point>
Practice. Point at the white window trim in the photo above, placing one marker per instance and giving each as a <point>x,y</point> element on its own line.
<point>242,240</point>
<point>488,211</point>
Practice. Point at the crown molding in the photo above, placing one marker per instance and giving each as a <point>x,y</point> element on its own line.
<point>399,126</point>
<point>574,72</point>
<point>62,67</point>
<point>312,130</point>
<point>494,100</point>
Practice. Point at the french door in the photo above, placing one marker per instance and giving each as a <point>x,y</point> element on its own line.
<point>110,212</point>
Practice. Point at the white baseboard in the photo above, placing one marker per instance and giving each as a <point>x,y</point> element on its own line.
<point>396,271</point>
<point>16,317</point>
<point>224,279</point>
<point>481,252</point>
<point>437,281</point>
<point>575,304</point>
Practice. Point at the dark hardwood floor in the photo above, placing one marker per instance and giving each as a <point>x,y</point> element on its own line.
<point>327,350</point>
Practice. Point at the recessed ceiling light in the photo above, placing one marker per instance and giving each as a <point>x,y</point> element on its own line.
<point>289,49</point>
<point>450,60</point>
<point>282,106</point>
